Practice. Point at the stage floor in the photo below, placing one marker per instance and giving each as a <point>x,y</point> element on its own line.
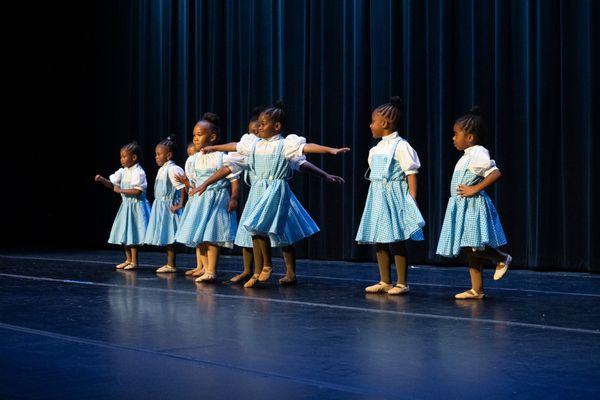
<point>74,328</point>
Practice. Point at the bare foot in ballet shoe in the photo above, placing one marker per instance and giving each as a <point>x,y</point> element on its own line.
<point>241,277</point>
<point>252,281</point>
<point>122,265</point>
<point>502,267</point>
<point>166,269</point>
<point>198,272</point>
<point>265,274</point>
<point>190,272</point>
<point>288,281</point>
<point>130,266</point>
<point>206,278</point>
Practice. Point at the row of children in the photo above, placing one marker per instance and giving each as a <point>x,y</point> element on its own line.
<point>273,216</point>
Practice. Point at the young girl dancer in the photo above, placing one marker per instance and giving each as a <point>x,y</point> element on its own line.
<point>209,219</point>
<point>273,215</point>
<point>243,238</point>
<point>471,225</point>
<point>189,173</point>
<point>129,226</point>
<point>168,201</point>
<point>391,215</point>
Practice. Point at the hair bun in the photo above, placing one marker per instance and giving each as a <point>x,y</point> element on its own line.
<point>256,111</point>
<point>172,137</point>
<point>475,110</point>
<point>396,101</point>
<point>279,104</point>
<point>211,117</point>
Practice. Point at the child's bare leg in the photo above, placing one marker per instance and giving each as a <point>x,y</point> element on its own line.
<point>199,267</point>
<point>248,257</point>
<point>212,260</point>
<point>258,260</point>
<point>398,250</point>
<point>203,260</point>
<point>169,267</point>
<point>265,248</point>
<point>127,258</point>
<point>475,267</point>
<point>289,257</point>
<point>133,251</point>
<point>383,262</point>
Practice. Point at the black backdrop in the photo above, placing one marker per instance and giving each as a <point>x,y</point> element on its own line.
<point>87,77</point>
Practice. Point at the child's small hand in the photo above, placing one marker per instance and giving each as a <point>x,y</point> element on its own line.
<point>208,149</point>
<point>98,178</point>
<point>342,150</point>
<point>199,190</point>
<point>175,208</point>
<point>466,191</point>
<point>334,179</point>
<point>232,205</point>
<point>181,178</point>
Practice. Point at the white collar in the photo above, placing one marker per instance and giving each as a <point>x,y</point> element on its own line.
<point>134,166</point>
<point>389,137</point>
<point>471,149</point>
<point>273,138</point>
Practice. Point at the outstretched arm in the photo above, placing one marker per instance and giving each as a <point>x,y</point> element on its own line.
<point>318,172</point>
<point>105,182</point>
<point>220,147</point>
<point>314,148</point>
<point>470,191</point>
<point>216,177</point>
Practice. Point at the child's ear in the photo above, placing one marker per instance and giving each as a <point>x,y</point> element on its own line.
<point>134,157</point>
<point>277,126</point>
<point>169,155</point>
<point>385,123</point>
<point>213,137</point>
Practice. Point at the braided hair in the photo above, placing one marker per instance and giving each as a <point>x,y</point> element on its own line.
<point>256,111</point>
<point>133,148</point>
<point>169,143</point>
<point>472,123</point>
<point>391,111</point>
<point>276,113</point>
<point>214,121</point>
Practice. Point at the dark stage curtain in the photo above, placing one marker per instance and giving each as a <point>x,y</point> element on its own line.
<point>158,65</point>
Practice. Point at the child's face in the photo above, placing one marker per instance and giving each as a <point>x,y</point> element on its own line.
<point>162,155</point>
<point>203,135</point>
<point>253,127</point>
<point>461,139</point>
<point>379,125</point>
<point>127,158</point>
<point>191,150</point>
<point>266,127</point>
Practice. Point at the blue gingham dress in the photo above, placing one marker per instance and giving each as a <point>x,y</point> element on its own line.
<point>129,226</point>
<point>205,218</point>
<point>469,221</point>
<point>390,213</point>
<point>272,209</point>
<point>163,223</point>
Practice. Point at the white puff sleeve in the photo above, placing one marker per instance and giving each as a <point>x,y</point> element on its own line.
<point>480,163</point>
<point>408,158</point>
<point>173,171</point>
<point>138,179</point>
<point>246,144</point>
<point>116,178</point>
<point>293,146</point>
<point>236,163</point>
<point>296,162</point>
